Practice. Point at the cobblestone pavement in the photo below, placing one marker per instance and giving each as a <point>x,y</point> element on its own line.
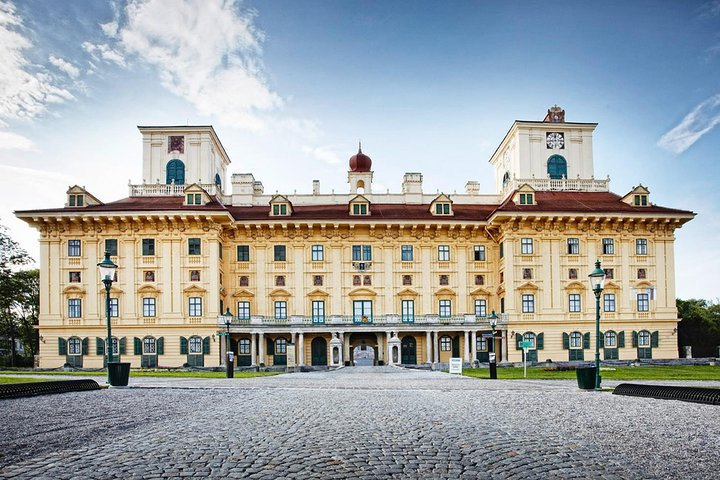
<point>355,423</point>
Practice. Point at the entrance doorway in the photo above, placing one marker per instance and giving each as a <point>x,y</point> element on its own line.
<point>318,349</point>
<point>364,356</point>
<point>365,340</point>
<point>408,351</point>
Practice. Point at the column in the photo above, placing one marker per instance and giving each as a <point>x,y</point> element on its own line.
<point>346,347</point>
<point>381,355</point>
<point>301,349</point>
<point>504,353</point>
<point>341,337</point>
<point>467,346</point>
<point>261,348</point>
<point>473,346</point>
<point>388,349</point>
<point>253,349</point>
<point>292,340</point>
<point>436,348</point>
<point>428,348</point>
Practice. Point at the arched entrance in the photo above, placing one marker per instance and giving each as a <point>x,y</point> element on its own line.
<point>318,348</point>
<point>366,343</point>
<point>408,351</point>
<point>364,356</point>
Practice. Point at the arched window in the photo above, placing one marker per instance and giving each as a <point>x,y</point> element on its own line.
<point>557,167</point>
<point>218,180</point>
<point>575,340</point>
<point>149,346</point>
<point>74,346</point>
<point>175,172</point>
<point>644,339</point>
<point>195,344</point>
<point>610,339</point>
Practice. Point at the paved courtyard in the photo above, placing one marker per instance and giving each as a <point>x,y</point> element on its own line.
<point>355,423</point>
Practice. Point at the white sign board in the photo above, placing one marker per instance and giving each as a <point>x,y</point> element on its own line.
<point>456,365</point>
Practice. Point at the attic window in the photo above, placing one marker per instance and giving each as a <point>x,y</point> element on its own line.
<point>194,199</point>
<point>75,200</point>
<point>360,209</point>
<point>527,199</point>
<point>640,200</point>
<point>279,209</point>
<point>442,209</point>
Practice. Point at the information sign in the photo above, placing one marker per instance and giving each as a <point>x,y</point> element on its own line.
<point>456,365</point>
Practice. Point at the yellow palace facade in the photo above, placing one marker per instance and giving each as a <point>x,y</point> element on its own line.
<point>362,277</point>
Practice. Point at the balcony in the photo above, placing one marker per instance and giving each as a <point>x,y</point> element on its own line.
<point>394,320</point>
<point>560,185</point>
<point>171,190</point>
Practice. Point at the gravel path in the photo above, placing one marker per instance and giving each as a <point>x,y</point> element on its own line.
<point>355,423</point>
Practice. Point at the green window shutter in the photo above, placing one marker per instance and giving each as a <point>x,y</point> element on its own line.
<point>635,339</point>
<point>183,346</point>
<point>99,346</point>
<point>540,341</point>
<point>62,346</point>
<point>270,347</point>
<point>621,339</point>
<point>137,346</point>
<point>85,346</point>
<point>586,340</point>
<point>160,346</point>
<point>123,346</point>
<point>566,341</point>
<point>518,341</point>
<point>206,345</point>
<point>655,339</point>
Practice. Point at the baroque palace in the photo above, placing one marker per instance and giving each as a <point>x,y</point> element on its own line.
<point>361,277</point>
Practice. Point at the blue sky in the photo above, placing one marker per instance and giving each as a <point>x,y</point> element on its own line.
<point>291,86</point>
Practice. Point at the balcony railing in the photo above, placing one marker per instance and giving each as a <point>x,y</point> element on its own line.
<point>389,319</point>
<point>560,184</point>
<point>168,190</point>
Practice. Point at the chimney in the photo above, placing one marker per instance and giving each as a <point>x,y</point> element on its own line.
<point>316,187</point>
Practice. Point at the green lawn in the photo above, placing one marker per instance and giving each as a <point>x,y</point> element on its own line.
<point>691,372</point>
<point>142,373</point>
<point>21,380</point>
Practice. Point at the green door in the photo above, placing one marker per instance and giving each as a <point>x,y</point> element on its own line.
<point>456,346</point>
<point>318,352</point>
<point>408,351</point>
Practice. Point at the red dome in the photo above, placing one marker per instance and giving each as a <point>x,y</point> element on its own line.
<point>360,162</point>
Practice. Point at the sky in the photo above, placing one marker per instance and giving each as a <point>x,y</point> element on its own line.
<point>291,86</point>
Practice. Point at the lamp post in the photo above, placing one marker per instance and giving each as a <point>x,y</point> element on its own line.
<point>597,281</point>
<point>107,273</point>
<point>493,318</point>
<point>229,373</point>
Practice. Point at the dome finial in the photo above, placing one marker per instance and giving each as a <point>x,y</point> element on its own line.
<point>359,146</point>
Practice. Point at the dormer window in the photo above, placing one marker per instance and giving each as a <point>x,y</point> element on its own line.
<point>280,209</point>
<point>527,199</point>
<point>442,209</point>
<point>638,197</point>
<point>525,195</point>
<point>280,206</point>
<point>76,200</point>
<point>359,206</point>
<point>79,197</point>
<point>194,199</point>
<point>442,205</point>
<point>640,200</point>
<point>360,209</point>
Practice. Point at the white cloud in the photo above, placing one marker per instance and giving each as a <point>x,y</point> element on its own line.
<point>695,124</point>
<point>25,89</point>
<point>327,153</point>
<point>205,51</point>
<point>13,141</point>
<point>71,70</point>
<point>104,52</point>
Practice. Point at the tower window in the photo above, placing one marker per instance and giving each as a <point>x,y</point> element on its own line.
<point>557,167</point>
<point>175,172</point>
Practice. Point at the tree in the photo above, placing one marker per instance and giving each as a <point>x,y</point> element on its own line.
<point>700,326</point>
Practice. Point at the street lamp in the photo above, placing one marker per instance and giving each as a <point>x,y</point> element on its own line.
<point>493,318</point>
<point>107,273</point>
<point>229,373</point>
<point>597,281</point>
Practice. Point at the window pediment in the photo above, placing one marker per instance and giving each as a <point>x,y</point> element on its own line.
<point>148,289</point>
<point>446,292</point>
<point>194,289</point>
<point>528,286</point>
<point>243,293</point>
<point>318,293</point>
<point>575,286</point>
<point>408,292</point>
<point>279,292</point>
<point>479,292</point>
<point>73,290</point>
<point>362,292</point>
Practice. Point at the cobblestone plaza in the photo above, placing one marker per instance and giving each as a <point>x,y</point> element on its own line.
<point>360,422</point>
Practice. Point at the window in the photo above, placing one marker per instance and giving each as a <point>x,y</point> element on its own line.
<point>643,302</point>
<point>481,307</point>
<point>195,307</point>
<point>407,279</point>
<point>445,344</point>
<point>609,302</point>
<point>641,274</point>
<point>640,200</point>
<point>610,340</point>
<point>444,279</point>
<point>243,310</point>
<point>367,280</point>
<point>317,280</point>
<point>244,346</point>
<point>361,253</point>
<point>195,344</point>
<point>76,200</point>
<point>445,309</point>
<point>280,346</point>
<point>318,311</point>
<point>408,311</point>
<point>528,303</point>
<point>73,248</point>
<point>526,199</point>
<point>360,209</point>
<point>527,273</point>
<point>643,338</point>
<point>572,274</point>
<point>574,300</point>
<point>575,340</point>
<point>609,273</point>
<point>148,246</point>
<point>573,246</point>
<point>526,246</point>
<point>443,253</point>
<point>479,253</point>
<point>557,167</point>
<point>280,310</point>
<point>479,279</point>
<point>362,310</point>
<point>244,281</point>
<point>406,253</point>
<point>481,343</point>
<point>641,246</point>
<point>149,346</point>
<point>243,253</point>
<point>114,307</point>
<point>608,246</point>
<point>74,346</point>
<point>194,199</point>
<point>280,253</point>
<point>148,307</point>
<point>317,254</point>
<point>194,275</point>
<point>193,246</point>
<point>502,249</point>
<point>530,337</point>
<point>74,277</point>
<point>111,246</point>
<point>74,308</point>
<point>442,209</point>
<point>280,281</point>
<point>280,209</point>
